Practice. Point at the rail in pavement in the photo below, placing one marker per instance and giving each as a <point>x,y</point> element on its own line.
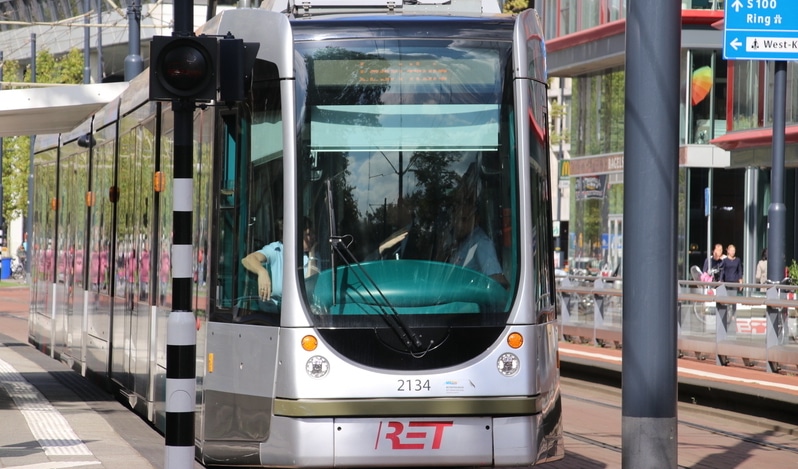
<point>736,388</point>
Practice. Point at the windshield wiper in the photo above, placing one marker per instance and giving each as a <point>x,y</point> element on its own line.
<point>339,245</point>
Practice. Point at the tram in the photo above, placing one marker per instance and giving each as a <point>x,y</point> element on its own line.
<point>388,171</point>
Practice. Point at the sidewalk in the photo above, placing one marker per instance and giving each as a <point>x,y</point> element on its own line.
<point>52,418</point>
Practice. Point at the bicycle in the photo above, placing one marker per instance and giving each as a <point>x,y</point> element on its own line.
<point>704,310</point>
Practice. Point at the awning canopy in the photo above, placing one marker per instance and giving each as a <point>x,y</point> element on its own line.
<point>52,110</point>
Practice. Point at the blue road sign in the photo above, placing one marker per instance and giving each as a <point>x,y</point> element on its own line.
<point>761,30</point>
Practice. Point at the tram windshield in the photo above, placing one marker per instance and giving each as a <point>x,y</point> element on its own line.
<point>406,178</point>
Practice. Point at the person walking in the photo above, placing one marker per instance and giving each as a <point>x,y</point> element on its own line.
<point>714,265</point>
<point>761,275</point>
<point>732,267</point>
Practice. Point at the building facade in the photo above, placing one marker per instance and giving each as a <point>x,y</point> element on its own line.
<point>724,156</point>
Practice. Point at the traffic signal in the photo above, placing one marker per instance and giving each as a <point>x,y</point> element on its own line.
<point>183,68</point>
<point>236,60</point>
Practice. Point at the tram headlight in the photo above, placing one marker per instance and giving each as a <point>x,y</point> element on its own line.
<point>508,364</point>
<point>317,366</point>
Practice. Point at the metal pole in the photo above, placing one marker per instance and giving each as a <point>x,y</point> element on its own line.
<point>710,202</point>
<point>777,212</point>
<point>752,210</point>
<point>99,42</point>
<point>29,221</point>
<point>560,158</point>
<point>180,363</point>
<point>133,62</point>
<point>651,136</point>
<point>3,228</point>
<point>86,45</point>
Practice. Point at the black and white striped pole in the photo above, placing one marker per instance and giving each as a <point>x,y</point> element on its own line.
<point>181,332</point>
<point>181,345</point>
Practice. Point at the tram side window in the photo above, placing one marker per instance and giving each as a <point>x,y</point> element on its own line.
<point>250,204</point>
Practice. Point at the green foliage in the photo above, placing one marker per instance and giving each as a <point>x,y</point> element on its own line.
<point>15,176</point>
<point>557,111</point>
<point>598,113</point>
<point>792,271</point>
<point>515,6</point>
<point>16,150</point>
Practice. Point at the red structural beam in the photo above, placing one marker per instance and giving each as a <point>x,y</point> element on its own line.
<point>692,17</point>
<point>754,138</point>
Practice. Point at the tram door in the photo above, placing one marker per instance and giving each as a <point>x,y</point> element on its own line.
<point>100,254</point>
<point>131,311</point>
<point>71,210</point>
<point>249,215</point>
<point>40,249</point>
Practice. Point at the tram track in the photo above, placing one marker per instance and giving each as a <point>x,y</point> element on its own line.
<point>708,436</point>
<point>706,396</point>
<point>690,424</point>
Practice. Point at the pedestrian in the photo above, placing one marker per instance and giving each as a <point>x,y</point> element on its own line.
<point>761,275</point>
<point>732,268</point>
<point>22,256</point>
<point>713,266</point>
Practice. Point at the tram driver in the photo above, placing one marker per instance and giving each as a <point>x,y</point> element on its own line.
<point>267,264</point>
<point>473,248</point>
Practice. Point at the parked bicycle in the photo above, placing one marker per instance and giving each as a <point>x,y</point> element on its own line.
<point>704,311</point>
<point>17,269</point>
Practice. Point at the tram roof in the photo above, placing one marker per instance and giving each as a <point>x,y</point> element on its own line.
<point>52,110</point>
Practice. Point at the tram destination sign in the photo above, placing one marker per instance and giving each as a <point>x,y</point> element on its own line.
<point>761,30</point>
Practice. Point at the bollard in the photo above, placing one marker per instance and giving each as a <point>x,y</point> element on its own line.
<point>181,348</point>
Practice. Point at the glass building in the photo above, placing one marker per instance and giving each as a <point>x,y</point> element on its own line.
<point>725,136</point>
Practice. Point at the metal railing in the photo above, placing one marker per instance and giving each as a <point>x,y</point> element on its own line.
<point>752,324</point>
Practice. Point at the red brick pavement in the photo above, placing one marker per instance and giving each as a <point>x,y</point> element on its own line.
<point>14,307</point>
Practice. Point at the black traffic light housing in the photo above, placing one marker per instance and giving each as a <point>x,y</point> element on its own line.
<point>236,61</point>
<point>195,68</point>
<point>184,68</point>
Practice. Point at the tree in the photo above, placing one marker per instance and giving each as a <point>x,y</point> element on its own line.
<point>515,6</point>
<point>557,111</point>
<point>16,150</point>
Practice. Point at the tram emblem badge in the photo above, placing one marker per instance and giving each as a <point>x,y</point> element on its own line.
<point>418,435</point>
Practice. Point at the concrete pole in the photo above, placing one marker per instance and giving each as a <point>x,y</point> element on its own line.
<point>651,155</point>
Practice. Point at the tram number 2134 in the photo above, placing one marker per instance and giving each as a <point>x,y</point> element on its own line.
<point>412,385</point>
